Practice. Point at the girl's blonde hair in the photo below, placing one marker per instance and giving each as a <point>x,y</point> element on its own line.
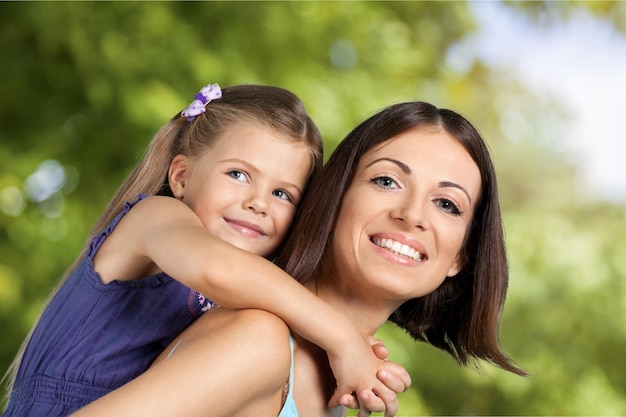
<point>271,107</point>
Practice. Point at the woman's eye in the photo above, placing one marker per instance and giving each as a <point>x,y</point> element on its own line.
<point>282,194</point>
<point>385,182</point>
<point>448,206</point>
<point>238,175</point>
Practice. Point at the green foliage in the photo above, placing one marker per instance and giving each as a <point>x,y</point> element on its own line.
<point>86,84</point>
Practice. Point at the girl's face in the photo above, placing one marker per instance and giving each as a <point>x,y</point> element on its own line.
<point>246,187</point>
<point>404,217</point>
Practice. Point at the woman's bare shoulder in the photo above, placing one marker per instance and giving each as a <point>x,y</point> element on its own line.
<point>248,349</point>
<point>249,327</point>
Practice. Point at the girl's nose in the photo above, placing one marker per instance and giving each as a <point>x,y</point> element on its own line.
<point>257,204</point>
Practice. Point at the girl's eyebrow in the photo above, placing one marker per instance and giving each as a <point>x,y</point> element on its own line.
<point>248,165</point>
<point>285,184</point>
<point>407,171</point>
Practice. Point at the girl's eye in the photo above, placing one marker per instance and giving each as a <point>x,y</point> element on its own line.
<point>448,206</point>
<point>385,182</point>
<point>237,175</point>
<point>283,195</point>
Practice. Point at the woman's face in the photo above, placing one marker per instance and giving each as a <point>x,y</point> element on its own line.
<point>404,217</point>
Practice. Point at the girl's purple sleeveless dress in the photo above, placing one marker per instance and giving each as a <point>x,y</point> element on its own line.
<point>93,338</point>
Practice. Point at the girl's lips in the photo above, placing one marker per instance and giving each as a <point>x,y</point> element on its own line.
<point>246,228</point>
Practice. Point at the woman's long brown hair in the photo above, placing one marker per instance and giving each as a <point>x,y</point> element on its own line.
<point>461,316</point>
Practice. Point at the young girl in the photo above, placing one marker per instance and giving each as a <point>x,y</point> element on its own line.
<point>232,167</point>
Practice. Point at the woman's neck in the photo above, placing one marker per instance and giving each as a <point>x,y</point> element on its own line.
<point>368,313</point>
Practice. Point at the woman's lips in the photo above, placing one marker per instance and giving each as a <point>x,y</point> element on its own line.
<point>401,246</point>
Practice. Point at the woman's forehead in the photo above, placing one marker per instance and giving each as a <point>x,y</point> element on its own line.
<point>427,150</point>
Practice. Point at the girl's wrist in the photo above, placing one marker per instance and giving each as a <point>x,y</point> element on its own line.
<point>343,333</point>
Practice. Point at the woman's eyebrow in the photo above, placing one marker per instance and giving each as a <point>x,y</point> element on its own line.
<point>402,166</point>
<point>455,185</point>
<point>407,170</point>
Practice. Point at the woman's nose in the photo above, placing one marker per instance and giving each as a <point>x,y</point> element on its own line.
<point>413,211</point>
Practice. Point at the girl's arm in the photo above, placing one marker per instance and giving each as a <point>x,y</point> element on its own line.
<point>168,233</point>
<point>236,363</point>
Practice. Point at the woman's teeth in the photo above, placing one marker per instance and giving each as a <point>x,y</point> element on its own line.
<point>399,248</point>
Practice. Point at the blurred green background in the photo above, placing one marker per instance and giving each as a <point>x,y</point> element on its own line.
<point>85,85</point>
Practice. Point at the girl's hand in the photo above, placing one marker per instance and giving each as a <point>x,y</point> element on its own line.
<point>358,370</point>
<point>393,375</point>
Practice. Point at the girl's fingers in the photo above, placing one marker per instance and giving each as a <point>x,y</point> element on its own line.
<point>395,377</point>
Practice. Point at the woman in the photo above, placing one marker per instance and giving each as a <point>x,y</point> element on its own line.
<point>403,224</point>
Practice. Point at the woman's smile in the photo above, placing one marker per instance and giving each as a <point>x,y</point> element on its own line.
<point>406,251</point>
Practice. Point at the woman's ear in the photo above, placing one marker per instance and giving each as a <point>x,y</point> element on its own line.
<point>177,175</point>
<point>456,266</point>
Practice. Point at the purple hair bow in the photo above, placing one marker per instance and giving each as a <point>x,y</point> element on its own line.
<point>197,107</point>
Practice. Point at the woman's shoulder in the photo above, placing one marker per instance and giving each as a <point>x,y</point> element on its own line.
<point>249,348</point>
<point>259,336</point>
<point>255,327</point>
